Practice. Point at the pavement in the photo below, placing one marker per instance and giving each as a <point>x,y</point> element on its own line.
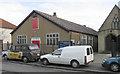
<point>92,67</point>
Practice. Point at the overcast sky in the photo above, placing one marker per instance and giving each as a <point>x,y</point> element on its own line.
<point>91,13</point>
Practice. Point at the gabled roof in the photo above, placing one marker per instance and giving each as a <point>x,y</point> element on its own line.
<point>108,16</point>
<point>64,24</point>
<point>5,24</point>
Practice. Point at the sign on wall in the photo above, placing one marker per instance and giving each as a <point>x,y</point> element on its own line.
<point>36,41</point>
<point>64,43</point>
<point>35,23</point>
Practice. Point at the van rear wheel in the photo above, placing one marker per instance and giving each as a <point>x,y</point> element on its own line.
<point>5,57</point>
<point>75,64</point>
<point>25,59</point>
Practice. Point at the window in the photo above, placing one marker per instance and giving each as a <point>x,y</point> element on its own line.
<point>24,48</point>
<point>84,40</point>
<point>88,52</point>
<point>115,23</point>
<point>21,39</point>
<point>91,51</point>
<point>12,48</point>
<point>52,38</point>
<point>57,52</point>
<point>90,40</point>
<point>18,48</point>
<point>35,23</point>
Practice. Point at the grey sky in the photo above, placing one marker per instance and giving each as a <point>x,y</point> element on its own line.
<point>91,13</point>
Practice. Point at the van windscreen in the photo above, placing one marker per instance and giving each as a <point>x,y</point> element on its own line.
<point>32,47</point>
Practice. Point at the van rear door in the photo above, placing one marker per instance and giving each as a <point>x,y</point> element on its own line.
<point>89,57</point>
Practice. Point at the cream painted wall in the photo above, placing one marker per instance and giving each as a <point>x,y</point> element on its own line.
<point>5,36</point>
<point>105,29</point>
<point>102,36</point>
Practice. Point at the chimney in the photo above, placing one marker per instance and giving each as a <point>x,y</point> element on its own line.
<point>119,4</point>
<point>54,14</point>
<point>84,25</point>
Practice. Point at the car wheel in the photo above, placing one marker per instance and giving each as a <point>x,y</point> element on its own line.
<point>5,57</point>
<point>75,64</point>
<point>45,61</point>
<point>114,67</point>
<point>25,59</point>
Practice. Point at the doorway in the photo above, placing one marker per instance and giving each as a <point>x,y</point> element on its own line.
<point>36,41</point>
<point>110,42</point>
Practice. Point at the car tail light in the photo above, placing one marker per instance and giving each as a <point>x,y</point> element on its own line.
<point>85,59</point>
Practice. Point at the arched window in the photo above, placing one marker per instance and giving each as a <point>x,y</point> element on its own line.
<point>115,24</point>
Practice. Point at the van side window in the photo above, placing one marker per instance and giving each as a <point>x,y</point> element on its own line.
<point>24,48</point>
<point>12,48</point>
<point>91,51</point>
<point>57,52</point>
<point>17,48</point>
<point>88,52</point>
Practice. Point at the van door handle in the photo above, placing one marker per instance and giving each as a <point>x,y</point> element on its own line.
<point>58,56</point>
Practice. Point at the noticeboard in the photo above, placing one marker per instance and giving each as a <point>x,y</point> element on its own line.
<point>64,43</point>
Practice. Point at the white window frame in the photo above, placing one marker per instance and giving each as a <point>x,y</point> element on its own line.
<point>48,44</point>
<point>84,37</point>
<point>90,38</point>
<point>115,23</point>
<point>18,39</point>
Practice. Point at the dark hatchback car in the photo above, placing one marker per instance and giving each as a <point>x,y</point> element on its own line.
<point>25,52</point>
<point>112,63</point>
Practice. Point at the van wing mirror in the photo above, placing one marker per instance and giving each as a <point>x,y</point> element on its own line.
<point>52,53</point>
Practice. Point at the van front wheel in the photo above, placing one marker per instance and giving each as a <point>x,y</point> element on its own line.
<point>45,62</point>
<point>74,64</point>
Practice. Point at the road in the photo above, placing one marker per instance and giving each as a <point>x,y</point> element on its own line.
<point>19,66</point>
<point>31,67</point>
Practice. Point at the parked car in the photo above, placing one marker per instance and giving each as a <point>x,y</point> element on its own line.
<point>25,52</point>
<point>112,63</point>
<point>71,55</point>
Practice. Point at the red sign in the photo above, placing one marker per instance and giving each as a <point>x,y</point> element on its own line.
<point>35,22</point>
<point>37,42</point>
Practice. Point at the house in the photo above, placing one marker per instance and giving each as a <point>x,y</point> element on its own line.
<point>109,32</point>
<point>47,30</point>
<point>5,37</point>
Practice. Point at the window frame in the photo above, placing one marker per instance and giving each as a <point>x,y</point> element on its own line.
<point>21,40</point>
<point>90,38</point>
<point>83,37</point>
<point>52,38</point>
<point>115,24</point>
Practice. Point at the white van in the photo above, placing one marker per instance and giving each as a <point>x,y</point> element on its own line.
<point>71,55</point>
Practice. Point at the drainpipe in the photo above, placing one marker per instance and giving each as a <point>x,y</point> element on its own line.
<point>70,38</point>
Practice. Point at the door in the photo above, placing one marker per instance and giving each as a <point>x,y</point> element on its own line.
<point>89,55</point>
<point>15,52</point>
<point>56,57</point>
<point>36,41</point>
